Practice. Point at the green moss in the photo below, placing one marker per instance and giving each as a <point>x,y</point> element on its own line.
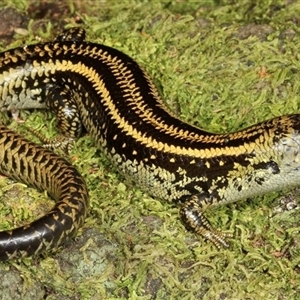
<point>21,5</point>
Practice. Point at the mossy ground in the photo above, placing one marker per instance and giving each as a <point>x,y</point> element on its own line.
<point>221,65</point>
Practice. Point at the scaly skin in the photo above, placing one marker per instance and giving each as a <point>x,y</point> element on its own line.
<point>42,169</point>
<point>103,90</point>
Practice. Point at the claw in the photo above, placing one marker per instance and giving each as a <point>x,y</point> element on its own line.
<point>194,219</point>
